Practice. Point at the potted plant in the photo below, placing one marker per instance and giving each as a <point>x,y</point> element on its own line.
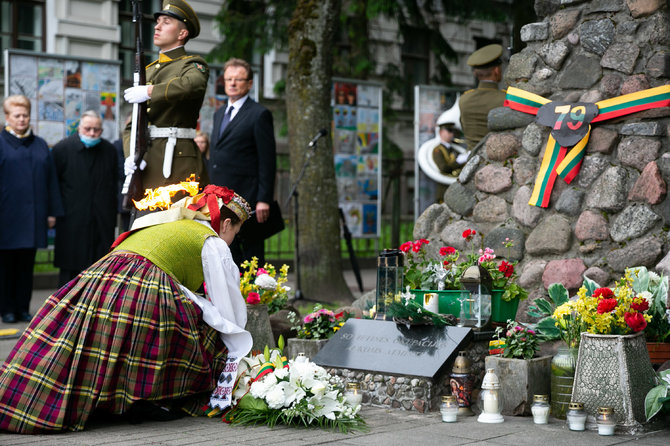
<point>264,291</point>
<point>654,289</point>
<point>314,330</point>
<point>613,367</point>
<point>521,373</point>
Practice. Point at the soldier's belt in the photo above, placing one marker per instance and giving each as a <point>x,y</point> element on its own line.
<point>172,134</point>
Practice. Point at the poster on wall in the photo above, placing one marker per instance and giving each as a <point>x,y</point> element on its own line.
<point>356,133</point>
<point>429,103</point>
<point>61,88</point>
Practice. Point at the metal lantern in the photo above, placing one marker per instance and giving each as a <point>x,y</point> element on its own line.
<point>476,308</point>
<point>460,383</point>
<point>390,269</point>
<point>489,399</point>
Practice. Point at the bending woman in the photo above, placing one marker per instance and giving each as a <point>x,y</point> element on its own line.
<point>129,332</point>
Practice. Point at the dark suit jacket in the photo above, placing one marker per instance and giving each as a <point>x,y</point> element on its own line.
<point>244,157</point>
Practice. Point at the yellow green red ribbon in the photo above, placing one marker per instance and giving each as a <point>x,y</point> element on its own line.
<point>559,161</point>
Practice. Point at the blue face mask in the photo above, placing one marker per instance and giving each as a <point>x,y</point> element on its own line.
<point>88,142</point>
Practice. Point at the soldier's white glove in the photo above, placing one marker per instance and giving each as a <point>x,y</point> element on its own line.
<point>129,166</point>
<point>138,94</point>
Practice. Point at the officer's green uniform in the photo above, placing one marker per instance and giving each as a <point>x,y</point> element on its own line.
<point>179,84</point>
<point>475,104</point>
<point>445,159</point>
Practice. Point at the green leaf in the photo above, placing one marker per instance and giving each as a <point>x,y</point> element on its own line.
<point>548,328</point>
<point>558,294</point>
<point>280,343</point>
<point>590,286</point>
<point>544,306</point>
<point>653,401</point>
<point>251,403</point>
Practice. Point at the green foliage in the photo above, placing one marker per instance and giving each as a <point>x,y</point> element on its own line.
<point>407,309</point>
<point>544,309</point>
<point>657,398</point>
<point>319,324</point>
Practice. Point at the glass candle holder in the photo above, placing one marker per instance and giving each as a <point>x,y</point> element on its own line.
<point>605,421</point>
<point>576,417</point>
<point>540,409</point>
<point>353,394</point>
<point>489,399</point>
<point>301,357</point>
<point>449,408</point>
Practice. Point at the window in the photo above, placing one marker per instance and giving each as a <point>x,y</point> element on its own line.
<point>127,46</point>
<point>415,61</point>
<point>22,24</point>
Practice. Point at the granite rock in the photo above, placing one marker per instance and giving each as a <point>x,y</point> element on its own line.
<point>551,236</point>
<point>641,252</point>
<point>596,35</point>
<point>637,151</point>
<point>650,186</point>
<point>493,179</point>
<point>566,271</point>
<point>591,226</point>
<point>633,222</point>
<point>608,192</point>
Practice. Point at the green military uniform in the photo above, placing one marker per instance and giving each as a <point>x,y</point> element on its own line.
<point>179,84</point>
<point>445,159</point>
<point>476,104</point>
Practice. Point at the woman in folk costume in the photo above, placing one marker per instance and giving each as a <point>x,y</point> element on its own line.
<point>129,335</point>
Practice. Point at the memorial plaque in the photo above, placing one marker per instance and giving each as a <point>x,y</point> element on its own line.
<point>387,347</point>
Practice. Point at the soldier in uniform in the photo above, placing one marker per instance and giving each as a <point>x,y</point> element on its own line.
<point>176,85</point>
<point>475,104</point>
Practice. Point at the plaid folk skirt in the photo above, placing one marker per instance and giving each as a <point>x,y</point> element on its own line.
<point>121,332</point>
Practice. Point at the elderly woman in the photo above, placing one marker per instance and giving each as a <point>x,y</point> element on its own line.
<point>29,204</point>
<point>129,335</point>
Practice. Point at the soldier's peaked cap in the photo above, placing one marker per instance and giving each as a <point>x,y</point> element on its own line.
<point>486,56</point>
<point>183,12</point>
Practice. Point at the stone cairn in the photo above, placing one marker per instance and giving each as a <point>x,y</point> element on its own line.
<point>615,213</point>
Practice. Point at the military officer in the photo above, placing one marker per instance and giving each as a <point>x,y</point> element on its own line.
<point>448,157</point>
<point>475,104</point>
<point>175,89</point>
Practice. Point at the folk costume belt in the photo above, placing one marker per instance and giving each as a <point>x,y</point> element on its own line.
<point>571,127</point>
<point>172,134</point>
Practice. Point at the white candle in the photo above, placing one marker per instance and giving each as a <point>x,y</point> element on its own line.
<point>490,403</point>
<point>431,302</point>
<point>540,414</point>
<point>354,398</point>
<point>606,429</point>
<point>449,416</point>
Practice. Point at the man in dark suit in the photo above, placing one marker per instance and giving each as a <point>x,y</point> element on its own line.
<point>243,153</point>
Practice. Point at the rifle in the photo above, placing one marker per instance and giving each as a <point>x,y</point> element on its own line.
<point>132,186</point>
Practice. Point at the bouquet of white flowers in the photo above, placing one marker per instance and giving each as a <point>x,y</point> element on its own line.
<point>271,390</point>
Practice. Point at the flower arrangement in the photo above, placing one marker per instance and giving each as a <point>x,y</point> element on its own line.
<point>636,303</point>
<point>264,285</point>
<point>319,324</point>
<point>520,342</point>
<point>503,274</point>
<point>424,273</point>
<point>271,390</point>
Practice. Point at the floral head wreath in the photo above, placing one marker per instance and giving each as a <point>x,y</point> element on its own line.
<point>214,197</point>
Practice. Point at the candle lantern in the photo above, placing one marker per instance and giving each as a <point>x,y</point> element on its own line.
<point>489,399</point>
<point>576,416</point>
<point>476,307</point>
<point>353,394</point>
<point>449,408</point>
<point>390,264</point>
<point>460,382</point>
<point>540,409</point>
<point>605,421</point>
<point>301,357</point>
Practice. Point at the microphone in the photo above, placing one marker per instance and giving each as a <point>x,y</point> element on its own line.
<point>321,133</point>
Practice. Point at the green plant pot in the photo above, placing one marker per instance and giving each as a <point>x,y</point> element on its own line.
<point>502,310</point>
<point>448,302</point>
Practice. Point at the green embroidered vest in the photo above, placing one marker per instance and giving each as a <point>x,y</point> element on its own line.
<point>174,247</point>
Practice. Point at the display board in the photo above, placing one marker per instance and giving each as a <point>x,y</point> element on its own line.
<point>61,88</point>
<point>429,103</point>
<point>357,135</point>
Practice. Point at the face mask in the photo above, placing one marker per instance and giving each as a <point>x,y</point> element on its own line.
<point>88,142</point>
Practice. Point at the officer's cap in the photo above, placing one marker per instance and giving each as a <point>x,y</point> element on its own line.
<point>486,56</point>
<point>182,11</point>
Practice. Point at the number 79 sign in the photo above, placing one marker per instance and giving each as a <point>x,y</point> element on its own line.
<point>569,121</point>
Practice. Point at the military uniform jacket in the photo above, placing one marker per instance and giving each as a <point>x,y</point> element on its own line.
<point>475,106</point>
<point>179,84</point>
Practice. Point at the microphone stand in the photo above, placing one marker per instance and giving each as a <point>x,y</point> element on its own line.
<point>294,194</point>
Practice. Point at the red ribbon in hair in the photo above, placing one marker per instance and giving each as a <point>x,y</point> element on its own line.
<point>211,193</point>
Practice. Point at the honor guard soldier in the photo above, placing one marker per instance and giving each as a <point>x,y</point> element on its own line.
<point>475,104</point>
<point>449,157</point>
<point>175,89</point>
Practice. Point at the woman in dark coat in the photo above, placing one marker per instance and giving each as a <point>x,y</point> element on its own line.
<point>29,204</point>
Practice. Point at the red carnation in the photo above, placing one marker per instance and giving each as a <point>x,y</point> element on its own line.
<point>603,293</point>
<point>405,247</point>
<point>635,321</point>
<point>416,246</point>
<point>606,305</point>
<point>639,304</point>
<point>506,268</point>
<point>253,298</point>
<point>447,250</point>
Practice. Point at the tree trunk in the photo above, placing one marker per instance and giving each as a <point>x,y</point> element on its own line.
<point>308,92</point>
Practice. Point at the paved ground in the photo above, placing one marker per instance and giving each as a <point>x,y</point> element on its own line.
<point>386,427</point>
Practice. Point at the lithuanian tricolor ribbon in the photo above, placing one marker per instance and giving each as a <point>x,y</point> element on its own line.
<point>569,119</point>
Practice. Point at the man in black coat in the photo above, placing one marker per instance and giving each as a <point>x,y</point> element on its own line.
<point>243,154</point>
<point>87,168</point>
